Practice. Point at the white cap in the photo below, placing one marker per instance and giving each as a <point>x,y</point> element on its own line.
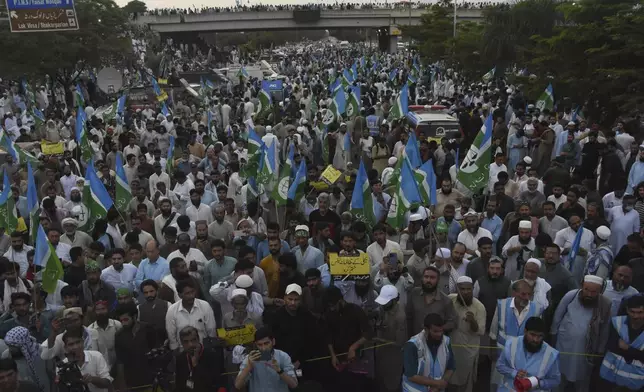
<point>243,281</point>
<point>572,123</point>
<point>525,225</point>
<point>293,288</point>
<point>343,124</point>
<point>527,160</point>
<point>593,279</point>
<point>443,253</point>
<point>415,217</point>
<point>392,161</point>
<point>302,228</point>
<point>602,232</point>
<point>269,128</point>
<point>237,292</point>
<point>535,261</point>
<point>387,293</point>
<point>470,213</point>
<point>463,279</point>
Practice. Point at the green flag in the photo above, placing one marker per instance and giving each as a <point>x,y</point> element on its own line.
<point>475,169</point>
<point>546,100</point>
<point>123,193</point>
<point>45,257</point>
<point>280,191</point>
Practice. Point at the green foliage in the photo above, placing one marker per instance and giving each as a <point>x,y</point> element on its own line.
<point>135,6</point>
<point>592,51</point>
<point>99,41</point>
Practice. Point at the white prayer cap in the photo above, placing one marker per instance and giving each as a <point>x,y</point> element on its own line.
<point>594,279</point>
<point>527,160</point>
<point>470,213</point>
<point>293,288</point>
<point>535,261</point>
<point>243,281</point>
<point>269,129</point>
<point>603,232</point>
<point>387,293</point>
<point>343,124</point>
<point>531,106</point>
<point>70,221</point>
<point>392,161</point>
<point>415,217</point>
<point>301,231</point>
<point>237,292</point>
<point>384,122</point>
<point>463,279</point>
<point>443,253</point>
<point>525,225</point>
<point>508,91</point>
<point>571,123</point>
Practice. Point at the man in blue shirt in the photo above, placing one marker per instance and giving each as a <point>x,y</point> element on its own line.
<point>272,231</point>
<point>492,222</point>
<point>154,267</point>
<point>266,369</point>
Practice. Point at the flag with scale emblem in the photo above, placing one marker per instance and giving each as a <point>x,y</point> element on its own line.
<point>45,257</point>
<point>19,155</point>
<point>82,136</point>
<point>361,200</point>
<point>489,75</point>
<point>475,168</point>
<point>336,109</point>
<point>546,100</point>
<point>32,204</point>
<point>426,179</point>
<point>254,146</point>
<point>98,201</point>
<point>267,170</point>
<point>401,107</point>
<point>406,194</point>
<point>109,112</point>
<point>123,193</point>
<point>265,102</point>
<point>353,105</point>
<point>280,191</point>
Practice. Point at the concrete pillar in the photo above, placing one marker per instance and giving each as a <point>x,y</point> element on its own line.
<point>393,44</point>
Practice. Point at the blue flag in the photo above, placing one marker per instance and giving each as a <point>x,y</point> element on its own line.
<point>361,200</point>
<point>430,178</point>
<point>297,186</point>
<point>120,106</point>
<point>575,247</point>
<point>32,204</point>
<point>393,74</point>
<point>412,151</point>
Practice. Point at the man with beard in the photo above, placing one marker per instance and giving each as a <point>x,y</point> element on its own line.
<point>152,311</point>
<point>131,344</point>
<point>428,357</point>
<point>76,208</point>
<point>194,258</point>
<point>202,241</point>
<point>446,195</point>
<point>288,273</point>
<point>472,233</point>
<point>347,330</point>
<point>565,239</point>
<point>72,320</point>
<point>141,198</point>
<point>21,316</point>
<point>307,256</point>
<point>220,266</point>
<point>540,288</point>
<point>189,311</point>
<point>178,271</point>
<point>197,369</point>
<point>313,292</point>
<point>271,267</point>
<point>324,214</point>
<point>622,366</point>
<point>550,223</point>
<point>600,259</point>
<point>272,232</point>
<point>529,360</point>
<point>471,315</point>
<point>106,329</point>
<point>428,299</point>
<point>532,196</point>
<point>18,253</point>
<point>242,278</point>
<point>624,221</point>
<point>164,220</point>
<point>509,319</point>
<point>72,236</point>
<point>93,288</point>
<point>395,274</point>
<point>581,324</point>
<point>119,274</point>
<point>619,287</point>
<point>571,206</point>
<point>636,174</point>
<point>478,267</point>
<point>13,283</point>
<point>220,227</point>
<point>518,249</point>
<point>197,210</point>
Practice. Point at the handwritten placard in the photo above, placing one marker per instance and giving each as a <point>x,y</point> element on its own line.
<point>349,267</point>
<point>237,335</point>
<point>52,148</point>
<point>330,175</point>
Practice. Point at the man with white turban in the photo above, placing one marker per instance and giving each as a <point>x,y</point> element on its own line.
<point>541,288</point>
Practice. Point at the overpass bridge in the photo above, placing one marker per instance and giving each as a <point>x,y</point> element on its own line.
<point>293,20</point>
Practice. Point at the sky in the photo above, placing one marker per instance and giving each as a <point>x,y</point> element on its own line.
<point>154,4</point>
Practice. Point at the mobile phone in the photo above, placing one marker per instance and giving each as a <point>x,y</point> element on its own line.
<point>265,356</point>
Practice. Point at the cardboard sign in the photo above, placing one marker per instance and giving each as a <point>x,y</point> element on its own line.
<point>349,267</point>
<point>237,335</point>
<point>52,148</point>
<point>330,175</point>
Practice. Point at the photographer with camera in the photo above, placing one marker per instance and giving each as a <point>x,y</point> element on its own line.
<point>72,319</point>
<point>266,369</point>
<point>197,368</point>
<point>87,368</point>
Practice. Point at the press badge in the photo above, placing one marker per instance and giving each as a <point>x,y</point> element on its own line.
<point>190,384</point>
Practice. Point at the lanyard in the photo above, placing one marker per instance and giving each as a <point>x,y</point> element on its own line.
<point>190,368</point>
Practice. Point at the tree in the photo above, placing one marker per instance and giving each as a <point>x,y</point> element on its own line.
<point>100,41</point>
<point>434,33</point>
<point>135,7</point>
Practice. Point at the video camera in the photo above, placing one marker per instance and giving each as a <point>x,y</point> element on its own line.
<point>70,378</point>
<point>159,359</point>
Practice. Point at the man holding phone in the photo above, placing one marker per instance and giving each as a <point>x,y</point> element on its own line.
<point>266,369</point>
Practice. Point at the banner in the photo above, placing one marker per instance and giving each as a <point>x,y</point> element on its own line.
<point>52,148</point>
<point>237,335</point>
<point>349,267</point>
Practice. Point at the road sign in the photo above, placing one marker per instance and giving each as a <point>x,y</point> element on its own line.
<point>42,15</point>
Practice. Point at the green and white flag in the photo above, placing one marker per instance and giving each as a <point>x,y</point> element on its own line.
<point>475,169</point>
<point>96,197</point>
<point>45,257</point>
<point>264,98</point>
<point>546,100</point>
<point>109,112</point>
<point>82,135</point>
<point>8,218</point>
<point>32,204</point>
<point>280,191</point>
<point>336,109</point>
<point>361,200</point>
<point>406,195</point>
<point>19,155</point>
<point>267,169</point>
<point>488,76</point>
<point>353,103</point>
<point>123,193</point>
<point>400,107</point>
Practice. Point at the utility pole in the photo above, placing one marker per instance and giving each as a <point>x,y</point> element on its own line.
<point>454,18</point>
